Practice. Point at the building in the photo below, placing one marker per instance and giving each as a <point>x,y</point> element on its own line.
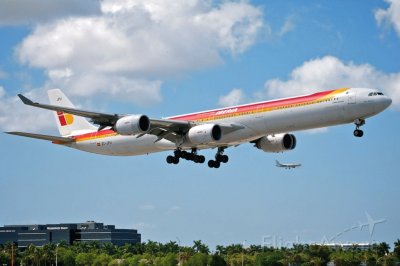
<point>39,235</point>
<point>349,246</point>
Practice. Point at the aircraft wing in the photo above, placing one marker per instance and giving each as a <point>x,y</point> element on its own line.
<point>162,128</point>
<point>101,119</point>
<point>58,140</point>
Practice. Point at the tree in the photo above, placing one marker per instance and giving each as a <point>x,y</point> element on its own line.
<point>169,259</point>
<point>151,247</point>
<point>199,259</point>
<point>345,258</point>
<point>102,260</point>
<point>5,258</point>
<point>319,251</point>
<point>199,247</point>
<point>234,249</point>
<point>217,260</point>
<point>220,249</point>
<point>85,259</point>
<point>255,249</point>
<point>270,258</point>
<point>388,260</point>
<point>109,248</point>
<point>397,248</point>
<point>237,259</point>
<point>49,253</point>
<point>65,256</point>
<point>170,247</point>
<point>382,249</point>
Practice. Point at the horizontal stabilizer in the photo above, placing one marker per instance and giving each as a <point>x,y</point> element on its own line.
<point>58,140</point>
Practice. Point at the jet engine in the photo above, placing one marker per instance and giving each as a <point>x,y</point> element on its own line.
<point>132,125</point>
<point>203,134</point>
<point>277,143</point>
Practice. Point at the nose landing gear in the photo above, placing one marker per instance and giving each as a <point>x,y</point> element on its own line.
<point>358,132</point>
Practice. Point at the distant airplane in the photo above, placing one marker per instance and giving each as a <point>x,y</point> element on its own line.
<point>265,124</point>
<point>287,165</point>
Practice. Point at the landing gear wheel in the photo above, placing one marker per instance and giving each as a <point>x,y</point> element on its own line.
<point>176,160</point>
<point>170,159</point>
<point>178,153</point>
<point>225,158</point>
<point>358,133</point>
<point>211,163</point>
<point>214,164</point>
<point>218,157</point>
<point>200,159</point>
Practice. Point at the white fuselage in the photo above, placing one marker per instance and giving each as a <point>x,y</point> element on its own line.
<point>265,118</point>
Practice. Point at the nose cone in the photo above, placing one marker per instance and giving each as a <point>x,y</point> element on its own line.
<point>387,102</point>
<point>383,103</point>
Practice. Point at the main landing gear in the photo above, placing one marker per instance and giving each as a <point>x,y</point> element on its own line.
<point>219,158</point>
<point>190,156</point>
<point>358,132</point>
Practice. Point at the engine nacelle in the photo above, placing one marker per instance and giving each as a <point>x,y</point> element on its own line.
<point>277,143</point>
<point>203,134</point>
<point>132,125</point>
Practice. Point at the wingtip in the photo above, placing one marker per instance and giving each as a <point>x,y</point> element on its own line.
<point>24,99</point>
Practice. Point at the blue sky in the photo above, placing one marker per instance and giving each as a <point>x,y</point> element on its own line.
<point>146,57</point>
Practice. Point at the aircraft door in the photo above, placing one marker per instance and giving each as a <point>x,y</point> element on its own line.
<point>351,97</point>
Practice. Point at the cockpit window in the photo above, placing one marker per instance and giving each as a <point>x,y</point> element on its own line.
<point>375,93</point>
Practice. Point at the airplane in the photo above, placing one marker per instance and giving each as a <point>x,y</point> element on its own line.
<point>265,124</point>
<point>287,165</point>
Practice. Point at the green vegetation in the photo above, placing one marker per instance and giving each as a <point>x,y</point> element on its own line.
<point>169,254</point>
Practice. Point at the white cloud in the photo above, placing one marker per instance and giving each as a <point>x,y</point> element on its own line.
<point>121,49</point>
<point>234,97</point>
<point>389,16</point>
<point>235,23</point>
<point>330,73</point>
<point>287,26</point>
<point>132,45</point>
<point>16,12</point>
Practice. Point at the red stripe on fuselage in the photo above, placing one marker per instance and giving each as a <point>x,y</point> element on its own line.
<point>252,107</point>
<point>95,135</point>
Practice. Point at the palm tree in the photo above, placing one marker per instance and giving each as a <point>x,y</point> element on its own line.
<point>221,249</point>
<point>48,253</point>
<point>255,249</point>
<point>397,248</point>
<point>382,249</point>
<point>170,247</point>
<point>199,247</point>
<point>109,248</point>
<point>151,247</point>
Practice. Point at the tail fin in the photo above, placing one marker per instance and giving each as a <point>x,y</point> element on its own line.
<point>277,163</point>
<point>68,124</point>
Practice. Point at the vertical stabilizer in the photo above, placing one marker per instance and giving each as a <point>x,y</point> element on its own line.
<point>68,124</point>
